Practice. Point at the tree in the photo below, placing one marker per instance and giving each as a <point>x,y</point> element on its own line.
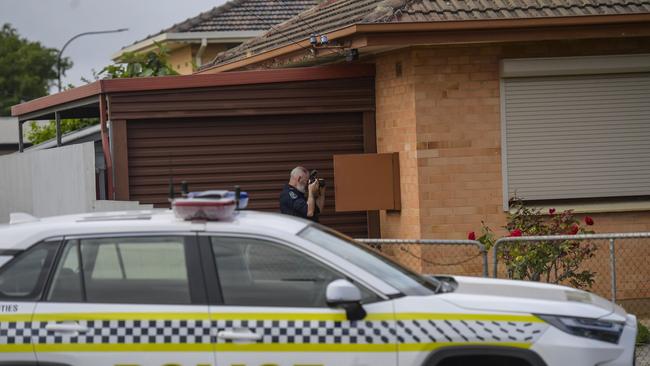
<point>129,65</point>
<point>40,133</point>
<point>27,69</point>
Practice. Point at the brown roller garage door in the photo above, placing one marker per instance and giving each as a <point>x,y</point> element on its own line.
<point>256,153</point>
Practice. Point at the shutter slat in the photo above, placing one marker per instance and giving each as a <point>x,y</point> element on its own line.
<point>578,136</point>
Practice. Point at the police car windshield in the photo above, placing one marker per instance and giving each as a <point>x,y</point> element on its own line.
<point>402,279</point>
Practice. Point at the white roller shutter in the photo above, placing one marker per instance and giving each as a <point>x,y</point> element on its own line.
<point>577,136</point>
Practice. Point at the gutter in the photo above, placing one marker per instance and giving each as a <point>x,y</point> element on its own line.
<point>465,25</point>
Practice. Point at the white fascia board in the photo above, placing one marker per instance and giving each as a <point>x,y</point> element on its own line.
<point>140,46</point>
<point>214,37</point>
<point>189,37</point>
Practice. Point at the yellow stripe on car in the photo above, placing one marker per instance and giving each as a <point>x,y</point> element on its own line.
<point>268,316</point>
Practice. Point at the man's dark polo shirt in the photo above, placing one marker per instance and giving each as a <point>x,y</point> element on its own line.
<point>293,202</point>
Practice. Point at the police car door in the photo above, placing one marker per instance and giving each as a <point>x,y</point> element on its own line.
<point>126,300</point>
<point>22,278</point>
<point>272,309</point>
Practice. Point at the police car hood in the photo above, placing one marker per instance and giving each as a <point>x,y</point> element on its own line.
<point>486,294</point>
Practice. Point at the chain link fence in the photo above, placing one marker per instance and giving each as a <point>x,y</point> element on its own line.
<point>620,265</point>
<point>431,256</point>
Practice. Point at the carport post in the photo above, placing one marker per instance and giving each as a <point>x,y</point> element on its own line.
<point>57,117</point>
<point>21,146</point>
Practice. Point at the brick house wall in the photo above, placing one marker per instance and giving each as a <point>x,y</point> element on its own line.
<point>443,116</point>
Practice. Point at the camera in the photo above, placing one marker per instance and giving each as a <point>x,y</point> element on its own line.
<point>313,176</point>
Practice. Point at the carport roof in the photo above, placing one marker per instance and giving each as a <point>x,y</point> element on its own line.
<point>83,101</point>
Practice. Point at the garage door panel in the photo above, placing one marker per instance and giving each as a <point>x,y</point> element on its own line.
<point>256,153</point>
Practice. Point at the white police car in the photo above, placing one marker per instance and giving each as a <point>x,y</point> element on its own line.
<point>147,288</point>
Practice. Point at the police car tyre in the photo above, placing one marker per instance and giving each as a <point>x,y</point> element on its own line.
<point>146,288</point>
<point>483,356</point>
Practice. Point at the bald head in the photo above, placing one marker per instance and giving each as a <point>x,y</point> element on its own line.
<point>298,172</point>
<point>299,178</point>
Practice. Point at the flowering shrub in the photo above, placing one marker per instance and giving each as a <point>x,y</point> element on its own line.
<point>558,261</point>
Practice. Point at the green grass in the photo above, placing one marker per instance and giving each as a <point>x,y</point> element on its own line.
<point>643,335</point>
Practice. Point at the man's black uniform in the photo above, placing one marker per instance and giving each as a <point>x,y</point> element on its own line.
<point>293,202</point>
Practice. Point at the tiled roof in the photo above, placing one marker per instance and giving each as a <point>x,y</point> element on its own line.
<point>241,15</point>
<point>431,10</point>
<point>331,15</point>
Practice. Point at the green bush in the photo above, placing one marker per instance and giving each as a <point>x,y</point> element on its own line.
<point>643,335</point>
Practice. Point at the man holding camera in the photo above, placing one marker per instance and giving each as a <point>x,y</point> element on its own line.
<point>304,196</point>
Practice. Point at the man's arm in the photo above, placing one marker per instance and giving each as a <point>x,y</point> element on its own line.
<point>311,201</point>
<point>321,199</point>
<point>311,204</point>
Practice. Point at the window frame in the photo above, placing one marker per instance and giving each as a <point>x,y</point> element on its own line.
<point>45,274</point>
<point>195,273</point>
<point>213,283</point>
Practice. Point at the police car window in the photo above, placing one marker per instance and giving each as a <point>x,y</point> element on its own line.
<point>402,279</point>
<point>66,283</point>
<point>24,276</point>
<point>150,270</point>
<point>255,272</point>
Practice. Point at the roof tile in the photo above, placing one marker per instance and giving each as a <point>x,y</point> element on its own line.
<point>331,15</point>
<point>241,15</point>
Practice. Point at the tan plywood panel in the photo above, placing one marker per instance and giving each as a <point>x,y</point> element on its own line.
<point>366,182</point>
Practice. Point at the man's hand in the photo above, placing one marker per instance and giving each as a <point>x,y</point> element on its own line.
<point>314,188</point>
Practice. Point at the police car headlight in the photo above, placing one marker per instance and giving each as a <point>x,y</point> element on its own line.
<point>602,330</point>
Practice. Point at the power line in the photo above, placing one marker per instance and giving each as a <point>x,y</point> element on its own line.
<point>281,32</point>
<point>299,17</point>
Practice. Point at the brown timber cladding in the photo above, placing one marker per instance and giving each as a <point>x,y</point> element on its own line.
<point>251,136</point>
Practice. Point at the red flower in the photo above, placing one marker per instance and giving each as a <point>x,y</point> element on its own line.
<point>471,235</point>
<point>515,232</point>
<point>574,229</point>
<point>551,211</point>
<point>589,221</point>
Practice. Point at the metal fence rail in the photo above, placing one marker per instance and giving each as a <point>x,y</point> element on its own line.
<point>449,248</point>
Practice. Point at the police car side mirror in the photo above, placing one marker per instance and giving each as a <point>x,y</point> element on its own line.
<point>344,294</point>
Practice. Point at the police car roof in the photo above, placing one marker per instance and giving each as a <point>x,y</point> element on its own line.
<point>23,235</point>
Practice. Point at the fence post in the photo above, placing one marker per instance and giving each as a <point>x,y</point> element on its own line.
<point>495,264</point>
<point>485,263</point>
<point>612,261</point>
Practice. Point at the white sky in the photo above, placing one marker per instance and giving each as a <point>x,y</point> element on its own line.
<point>53,22</point>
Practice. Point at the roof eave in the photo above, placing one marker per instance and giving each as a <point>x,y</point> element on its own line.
<point>188,37</point>
<point>464,25</point>
<point>68,96</point>
<point>279,51</point>
<point>88,94</point>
